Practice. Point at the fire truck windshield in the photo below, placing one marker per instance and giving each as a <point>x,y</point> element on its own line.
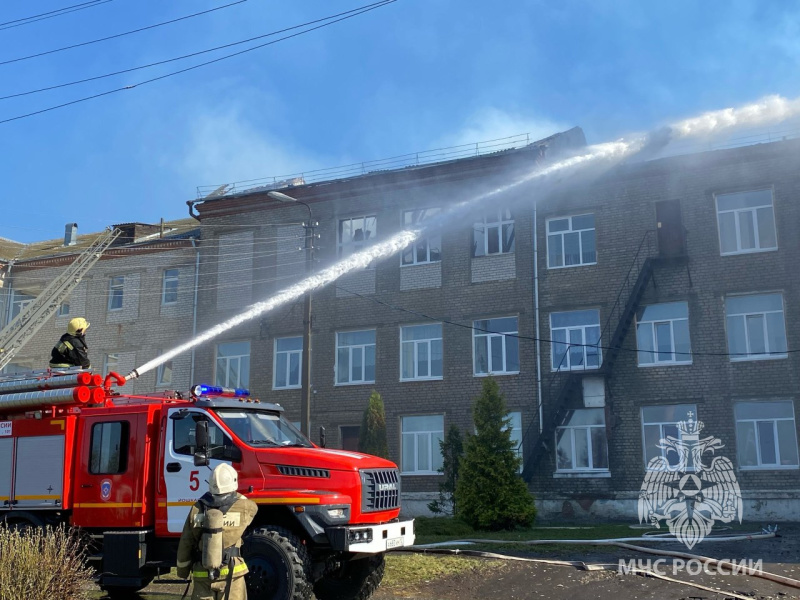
<point>258,428</point>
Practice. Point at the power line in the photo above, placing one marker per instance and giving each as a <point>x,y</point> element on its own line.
<point>118,35</point>
<point>345,15</point>
<point>53,13</point>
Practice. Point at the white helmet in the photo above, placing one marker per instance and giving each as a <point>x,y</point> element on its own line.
<point>224,480</point>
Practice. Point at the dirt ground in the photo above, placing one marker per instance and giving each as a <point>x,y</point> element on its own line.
<point>529,581</point>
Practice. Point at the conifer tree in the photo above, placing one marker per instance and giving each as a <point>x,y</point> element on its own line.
<point>452,447</point>
<point>490,493</point>
<point>372,436</point>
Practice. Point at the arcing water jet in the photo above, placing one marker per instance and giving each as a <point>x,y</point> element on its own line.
<point>771,109</point>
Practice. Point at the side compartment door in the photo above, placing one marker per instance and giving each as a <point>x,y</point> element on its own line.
<point>39,472</point>
<point>106,474</point>
<point>6,456</point>
<point>186,482</point>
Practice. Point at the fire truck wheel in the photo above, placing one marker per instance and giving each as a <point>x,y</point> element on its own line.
<point>22,521</point>
<point>354,580</point>
<point>278,565</point>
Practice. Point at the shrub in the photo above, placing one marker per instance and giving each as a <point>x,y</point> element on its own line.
<point>372,437</point>
<point>42,564</point>
<point>490,493</point>
<point>452,447</point>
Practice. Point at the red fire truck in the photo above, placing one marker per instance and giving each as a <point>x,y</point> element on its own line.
<point>126,469</point>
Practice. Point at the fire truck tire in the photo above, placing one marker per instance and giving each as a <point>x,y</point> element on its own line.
<point>21,520</point>
<point>278,564</point>
<point>354,580</point>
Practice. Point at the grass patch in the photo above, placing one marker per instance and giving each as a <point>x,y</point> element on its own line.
<point>405,572</point>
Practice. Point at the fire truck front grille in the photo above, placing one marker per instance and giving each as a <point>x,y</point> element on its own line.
<point>303,471</point>
<point>380,489</point>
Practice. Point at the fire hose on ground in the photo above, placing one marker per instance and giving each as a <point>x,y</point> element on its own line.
<point>621,543</point>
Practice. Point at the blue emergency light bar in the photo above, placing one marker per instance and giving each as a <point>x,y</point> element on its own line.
<point>210,391</point>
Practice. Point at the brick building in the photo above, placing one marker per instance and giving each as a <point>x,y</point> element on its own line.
<point>663,291</point>
<point>139,299</point>
<point>609,305</point>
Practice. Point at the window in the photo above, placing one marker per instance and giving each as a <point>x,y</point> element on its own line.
<point>108,452</point>
<point>661,422</point>
<point>516,434</point>
<point>19,302</point>
<point>164,373</point>
<point>571,242</point>
<point>766,436</point>
<point>233,365</point>
<point>116,289</point>
<point>421,352</point>
<point>110,362</point>
<point>355,234</point>
<point>576,339</point>
<point>581,444</point>
<point>288,362</point>
<point>423,250</point>
<point>496,351</point>
<point>63,309</point>
<point>421,437</point>
<point>355,357</point>
<point>494,234</point>
<point>756,328</point>
<point>183,437</point>
<point>662,334</point>
<point>169,288</point>
<point>350,435</point>
<point>746,222</point>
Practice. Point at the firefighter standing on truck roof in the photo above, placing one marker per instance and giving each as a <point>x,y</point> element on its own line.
<point>71,350</point>
<point>212,537</point>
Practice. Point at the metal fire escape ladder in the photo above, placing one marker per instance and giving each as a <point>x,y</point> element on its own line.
<point>630,293</point>
<point>25,325</point>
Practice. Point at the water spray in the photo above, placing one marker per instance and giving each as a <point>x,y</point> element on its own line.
<point>771,109</point>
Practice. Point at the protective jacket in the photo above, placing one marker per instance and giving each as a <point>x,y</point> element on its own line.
<point>70,351</point>
<point>238,512</point>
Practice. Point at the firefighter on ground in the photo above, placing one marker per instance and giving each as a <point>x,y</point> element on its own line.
<point>71,350</point>
<point>212,537</point>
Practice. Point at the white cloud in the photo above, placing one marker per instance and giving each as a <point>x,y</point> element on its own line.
<point>494,124</point>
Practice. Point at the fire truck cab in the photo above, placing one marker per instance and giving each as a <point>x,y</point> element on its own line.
<point>127,469</point>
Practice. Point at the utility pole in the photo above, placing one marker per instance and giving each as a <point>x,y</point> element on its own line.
<point>305,376</point>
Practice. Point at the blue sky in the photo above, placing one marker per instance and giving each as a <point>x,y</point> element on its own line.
<point>413,75</point>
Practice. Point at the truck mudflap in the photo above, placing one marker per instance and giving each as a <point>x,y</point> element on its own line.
<point>372,539</point>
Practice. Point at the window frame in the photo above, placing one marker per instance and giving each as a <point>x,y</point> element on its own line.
<point>750,356</point>
<point>433,449</point>
<point>584,346</point>
<point>217,358</point>
<point>124,447</point>
<point>110,361</point>
<point>363,348</point>
<point>345,249</point>
<point>412,247</point>
<point>289,354</point>
<point>519,447</point>
<point>160,382</point>
<point>484,226</point>
<point>61,311</point>
<point>165,279</point>
<point>416,343</point>
<point>654,335</point>
<point>590,456</point>
<point>661,425</point>
<point>736,212</point>
<point>116,289</point>
<point>561,235</point>
<point>489,335</point>
<point>774,420</point>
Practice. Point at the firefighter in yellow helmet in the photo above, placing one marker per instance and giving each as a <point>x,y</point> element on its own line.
<point>212,537</point>
<point>71,350</point>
